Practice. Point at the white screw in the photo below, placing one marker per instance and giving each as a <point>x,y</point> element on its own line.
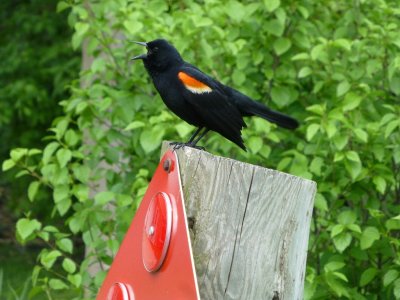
<point>151,230</point>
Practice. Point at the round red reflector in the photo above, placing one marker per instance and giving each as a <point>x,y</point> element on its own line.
<point>157,232</point>
<point>120,291</point>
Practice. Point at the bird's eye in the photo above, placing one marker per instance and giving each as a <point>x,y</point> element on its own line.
<point>155,49</point>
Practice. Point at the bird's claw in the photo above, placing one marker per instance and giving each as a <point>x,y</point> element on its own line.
<point>179,145</point>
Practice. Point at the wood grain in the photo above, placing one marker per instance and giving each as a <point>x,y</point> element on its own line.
<point>249,227</point>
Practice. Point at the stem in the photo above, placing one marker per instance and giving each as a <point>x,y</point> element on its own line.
<point>48,294</point>
<point>94,248</point>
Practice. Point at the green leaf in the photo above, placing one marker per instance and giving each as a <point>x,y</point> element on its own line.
<point>124,200</point>
<point>62,5</point>
<point>311,131</point>
<point>304,72</point>
<point>104,197</point>
<point>333,266</point>
<point>318,52</point>
<point>280,96</point>
<point>336,285</point>
<point>61,127</point>
<point>255,144</point>
<point>33,189</point>
<point>150,139</point>
<point>316,165</point>
<point>317,109</point>
<point>376,213</point>
<point>134,125</point>
<point>44,235</point>
<point>271,5</point>
<point>368,237</point>
<point>47,259</point>
<point>183,129</point>
<point>396,289</point>
<point>380,183</point>
<point>81,192</point>
<point>351,101</point>
<point>367,276</point>
<point>76,279</point>
<point>347,217</point>
<point>81,28</point>
<point>342,43</point>
<point>390,276</point>
<point>320,202</point>
<point>342,241</point>
<point>331,129</point>
<point>63,206</point>
<point>392,224</point>
<point>340,141</point>
<point>35,274</point>
<point>340,276</point>
<point>71,138</point>
<point>282,45</point>
<point>7,165</point>
<point>82,173</point>
<point>391,127</point>
<point>34,151</point>
<point>26,227</point>
<point>342,88</point>
<point>57,284</point>
<point>238,77</point>
<point>65,245</point>
<point>395,85</point>
<point>361,135</point>
<point>68,265</point>
<point>354,168</point>
<point>235,10</point>
<point>133,26</point>
<point>60,192</point>
<point>352,155</point>
<point>354,227</point>
<point>301,56</point>
<point>18,153</point>
<point>63,156</point>
<point>275,27</point>
<point>48,151</point>
<point>336,230</point>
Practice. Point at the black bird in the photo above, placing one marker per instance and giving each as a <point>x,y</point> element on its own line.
<point>201,100</point>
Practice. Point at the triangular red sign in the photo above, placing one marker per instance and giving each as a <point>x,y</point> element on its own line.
<point>155,259</point>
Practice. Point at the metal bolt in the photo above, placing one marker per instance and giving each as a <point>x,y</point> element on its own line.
<point>151,230</point>
<point>167,165</point>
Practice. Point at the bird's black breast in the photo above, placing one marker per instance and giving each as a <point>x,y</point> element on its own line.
<point>170,90</point>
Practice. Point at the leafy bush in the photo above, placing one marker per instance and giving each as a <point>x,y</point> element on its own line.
<point>37,62</point>
<point>334,65</point>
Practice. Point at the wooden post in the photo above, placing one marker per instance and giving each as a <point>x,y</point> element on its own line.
<point>249,227</point>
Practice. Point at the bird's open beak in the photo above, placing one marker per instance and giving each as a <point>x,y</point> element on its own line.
<point>141,56</point>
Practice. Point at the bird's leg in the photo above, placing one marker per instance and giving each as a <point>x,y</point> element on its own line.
<point>194,135</point>
<point>195,141</point>
<point>178,145</point>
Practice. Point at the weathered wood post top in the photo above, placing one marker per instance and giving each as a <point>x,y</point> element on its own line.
<point>249,227</point>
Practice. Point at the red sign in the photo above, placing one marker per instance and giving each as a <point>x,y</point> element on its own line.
<point>155,259</point>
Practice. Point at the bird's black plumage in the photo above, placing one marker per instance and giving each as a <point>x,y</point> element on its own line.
<point>201,100</point>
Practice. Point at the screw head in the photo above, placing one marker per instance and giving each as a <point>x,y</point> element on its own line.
<point>167,165</point>
<point>151,230</point>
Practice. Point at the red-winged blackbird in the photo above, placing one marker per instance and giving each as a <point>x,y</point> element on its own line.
<point>201,100</point>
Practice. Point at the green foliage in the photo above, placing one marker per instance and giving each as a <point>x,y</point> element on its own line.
<point>333,65</point>
<point>37,62</point>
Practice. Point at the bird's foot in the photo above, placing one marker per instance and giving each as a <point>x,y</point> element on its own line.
<point>179,145</point>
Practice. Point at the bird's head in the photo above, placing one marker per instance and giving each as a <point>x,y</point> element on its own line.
<point>160,55</point>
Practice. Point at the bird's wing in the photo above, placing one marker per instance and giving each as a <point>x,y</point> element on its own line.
<point>210,102</point>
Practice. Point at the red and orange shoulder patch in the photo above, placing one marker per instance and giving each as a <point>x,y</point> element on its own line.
<point>193,85</point>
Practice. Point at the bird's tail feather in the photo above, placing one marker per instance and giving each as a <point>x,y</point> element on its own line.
<point>273,116</point>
